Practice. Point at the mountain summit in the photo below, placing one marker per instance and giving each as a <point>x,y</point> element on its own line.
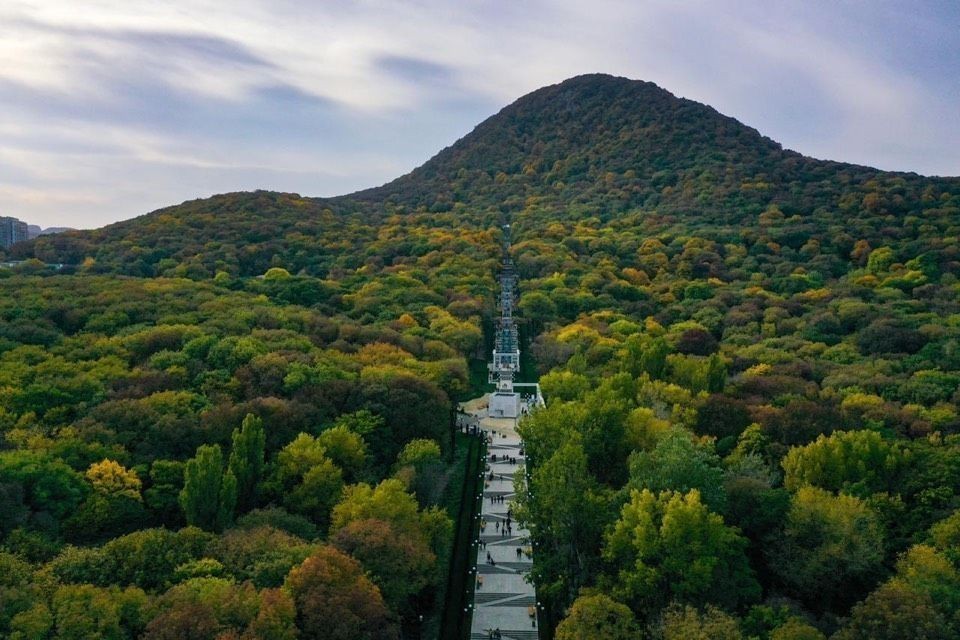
<point>577,133</point>
<point>594,146</point>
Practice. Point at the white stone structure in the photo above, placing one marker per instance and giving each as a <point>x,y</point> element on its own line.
<point>505,401</point>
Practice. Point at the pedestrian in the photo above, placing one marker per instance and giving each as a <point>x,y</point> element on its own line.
<point>489,558</point>
<point>519,553</point>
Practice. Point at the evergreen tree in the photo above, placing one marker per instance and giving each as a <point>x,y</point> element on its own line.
<point>654,358</point>
<point>246,460</point>
<point>716,374</point>
<point>209,495</point>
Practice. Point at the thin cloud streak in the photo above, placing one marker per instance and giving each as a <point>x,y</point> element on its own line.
<point>130,105</point>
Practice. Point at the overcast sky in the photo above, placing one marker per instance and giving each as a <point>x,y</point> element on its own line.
<point>112,108</point>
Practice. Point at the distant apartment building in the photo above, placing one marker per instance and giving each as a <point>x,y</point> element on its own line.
<point>11,231</point>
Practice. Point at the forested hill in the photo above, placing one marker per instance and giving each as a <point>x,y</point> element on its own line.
<point>592,146</point>
<point>751,361</point>
<point>598,140</point>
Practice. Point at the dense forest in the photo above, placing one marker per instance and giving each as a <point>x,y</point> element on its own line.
<point>230,418</point>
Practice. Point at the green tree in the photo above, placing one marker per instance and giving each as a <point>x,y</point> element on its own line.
<point>163,495</point>
<point>538,308</point>
<point>679,463</point>
<point>856,462</point>
<point>209,494</point>
<point>653,360</point>
<point>147,558</point>
<point>401,565</point>
<point>671,547</point>
<point>84,611</point>
<point>716,373</point>
<point>261,554</point>
<point>831,549</point>
<point>880,260</point>
<point>390,502</point>
<point>687,623</point>
<point>317,492</point>
<point>420,465</point>
<point>929,573</point>
<point>796,629</point>
<point>294,460</point>
<point>48,486</point>
<point>598,616</point>
<point>276,273</point>
<point>945,536</point>
<point>18,593</point>
<point>246,460</point>
<point>115,505</point>
<point>566,512</point>
<point>34,623</point>
<point>894,612</point>
<point>418,453</point>
<point>346,448</point>
<point>203,607</point>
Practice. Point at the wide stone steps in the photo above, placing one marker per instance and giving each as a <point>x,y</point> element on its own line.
<point>507,634</point>
<point>503,598</point>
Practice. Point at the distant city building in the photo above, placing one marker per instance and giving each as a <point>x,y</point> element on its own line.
<point>12,231</point>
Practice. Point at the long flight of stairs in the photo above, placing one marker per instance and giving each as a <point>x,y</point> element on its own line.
<point>503,599</point>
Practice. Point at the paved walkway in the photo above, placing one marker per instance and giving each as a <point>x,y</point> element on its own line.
<point>503,599</point>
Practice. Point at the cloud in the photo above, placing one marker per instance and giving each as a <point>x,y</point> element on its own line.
<point>145,103</point>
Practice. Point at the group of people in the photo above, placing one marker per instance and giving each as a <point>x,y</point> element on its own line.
<point>494,634</point>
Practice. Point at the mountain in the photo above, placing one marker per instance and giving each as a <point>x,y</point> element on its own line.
<point>592,146</point>
<point>562,143</point>
<point>751,361</point>
<point>36,230</point>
